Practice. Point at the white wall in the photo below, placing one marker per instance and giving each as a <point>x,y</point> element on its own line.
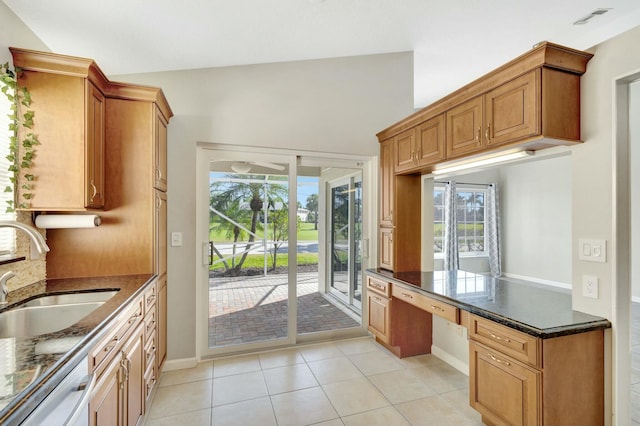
<point>14,33</point>
<point>634,171</point>
<point>535,219</point>
<point>333,105</point>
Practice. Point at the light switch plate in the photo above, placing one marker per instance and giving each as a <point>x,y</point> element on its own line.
<point>176,239</point>
<point>592,250</point>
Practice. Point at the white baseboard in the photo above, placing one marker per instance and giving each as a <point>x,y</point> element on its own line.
<point>539,281</point>
<point>459,365</point>
<point>179,364</point>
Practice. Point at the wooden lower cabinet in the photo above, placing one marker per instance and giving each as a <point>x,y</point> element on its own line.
<point>118,399</point>
<point>504,391</point>
<point>517,379</point>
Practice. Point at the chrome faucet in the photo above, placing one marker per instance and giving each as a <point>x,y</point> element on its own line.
<point>38,244</point>
<point>4,289</point>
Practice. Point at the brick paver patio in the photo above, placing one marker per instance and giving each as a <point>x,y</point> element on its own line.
<point>251,309</point>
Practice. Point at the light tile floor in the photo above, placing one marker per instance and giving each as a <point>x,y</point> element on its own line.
<point>349,382</point>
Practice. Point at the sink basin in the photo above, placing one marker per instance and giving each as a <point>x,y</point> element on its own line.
<point>71,298</point>
<point>36,320</point>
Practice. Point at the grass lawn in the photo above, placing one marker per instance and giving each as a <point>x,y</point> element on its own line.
<point>257,261</point>
<point>305,233</point>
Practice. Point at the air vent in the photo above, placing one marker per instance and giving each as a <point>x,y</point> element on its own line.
<point>592,15</point>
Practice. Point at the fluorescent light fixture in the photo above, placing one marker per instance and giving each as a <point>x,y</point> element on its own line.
<point>457,166</point>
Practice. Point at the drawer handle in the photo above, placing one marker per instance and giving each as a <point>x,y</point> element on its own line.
<point>437,308</point>
<point>499,361</point>
<point>407,295</point>
<point>504,339</point>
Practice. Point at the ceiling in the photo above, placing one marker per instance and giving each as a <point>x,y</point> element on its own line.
<point>454,41</point>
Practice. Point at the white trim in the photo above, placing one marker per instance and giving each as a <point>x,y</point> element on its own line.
<point>539,281</point>
<point>445,356</point>
<point>179,364</point>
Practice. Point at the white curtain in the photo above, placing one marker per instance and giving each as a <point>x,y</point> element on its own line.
<point>450,228</point>
<point>492,222</point>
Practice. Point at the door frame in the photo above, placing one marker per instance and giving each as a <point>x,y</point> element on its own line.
<point>369,166</point>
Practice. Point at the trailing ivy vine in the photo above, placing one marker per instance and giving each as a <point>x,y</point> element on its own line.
<point>20,117</point>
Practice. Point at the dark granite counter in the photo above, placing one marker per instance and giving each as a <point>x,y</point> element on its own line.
<point>27,372</point>
<point>539,310</point>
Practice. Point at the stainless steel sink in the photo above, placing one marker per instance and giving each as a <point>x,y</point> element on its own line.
<point>70,298</point>
<point>36,320</point>
<point>47,314</point>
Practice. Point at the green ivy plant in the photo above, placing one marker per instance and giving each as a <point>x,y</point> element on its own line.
<point>21,116</point>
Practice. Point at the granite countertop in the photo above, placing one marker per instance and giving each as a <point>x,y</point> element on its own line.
<point>28,373</point>
<point>539,310</point>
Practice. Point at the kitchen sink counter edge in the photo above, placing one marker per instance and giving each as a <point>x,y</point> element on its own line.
<point>41,373</point>
<point>536,309</point>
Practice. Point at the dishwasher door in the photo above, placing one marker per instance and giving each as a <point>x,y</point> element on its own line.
<point>68,403</point>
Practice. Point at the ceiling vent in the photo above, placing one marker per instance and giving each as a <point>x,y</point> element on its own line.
<point>592,15</point>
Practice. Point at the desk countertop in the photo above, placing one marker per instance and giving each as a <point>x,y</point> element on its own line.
<point>539,310</point>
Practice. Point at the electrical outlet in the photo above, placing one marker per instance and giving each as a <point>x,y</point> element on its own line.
<point>590,286</point>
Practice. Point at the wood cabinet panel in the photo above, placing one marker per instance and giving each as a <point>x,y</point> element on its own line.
<point>504,391</point>
<point>520,346</point>
<point>162,323</point>
<point>512,111</point>
<point>427,304</point>
<point>387,195</point>
<point>379,316</point>
<point>405,151</point>
<point>464,128</point>
<point>386,248</point>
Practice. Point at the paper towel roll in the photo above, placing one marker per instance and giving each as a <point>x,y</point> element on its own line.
<point>58,221</point>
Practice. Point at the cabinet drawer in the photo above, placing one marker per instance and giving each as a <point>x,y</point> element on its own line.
<point>426,303</point>
<point>378,286</point>
<point>150,298</point>
<point>149,353</point>
<point>518,345</point>
<point>122,328</point>
<point>149,325</point>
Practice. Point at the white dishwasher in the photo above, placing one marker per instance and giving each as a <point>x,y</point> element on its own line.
<point>68,403</point>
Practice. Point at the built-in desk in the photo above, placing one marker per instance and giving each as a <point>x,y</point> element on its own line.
<point>533,360</point>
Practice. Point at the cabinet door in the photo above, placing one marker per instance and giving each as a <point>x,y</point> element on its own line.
<point>512,111</point>
<point>386,248</point>
<point>404,146</point>
<point>135,393</point>
<point>504,391</point>
<point>430,141</point>
<point>464,128</point>
<point>94,149</point>
<point>160,237</point>
<point>106,405</point>
<point>160,151</point>
<point>162,322</point>
<point>386,182</point>
<point>379,317</point>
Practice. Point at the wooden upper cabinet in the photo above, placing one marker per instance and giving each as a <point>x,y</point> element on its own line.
<point>95,187</point>
<point>512,111</point>
<point>69,117</point>
<point>420,146</point>
<point>387,196</point>
<point>160,151</point>
<point>464,128</point>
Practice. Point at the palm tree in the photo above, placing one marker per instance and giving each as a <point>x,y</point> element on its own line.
<point>231,198</point>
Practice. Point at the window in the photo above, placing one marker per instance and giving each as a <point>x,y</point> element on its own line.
<point>7,235</point>
<point>470,214</point>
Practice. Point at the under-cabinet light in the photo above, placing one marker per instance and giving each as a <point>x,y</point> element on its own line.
<point>486,161</point>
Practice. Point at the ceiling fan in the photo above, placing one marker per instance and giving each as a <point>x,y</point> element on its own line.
<point>245,166</point>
